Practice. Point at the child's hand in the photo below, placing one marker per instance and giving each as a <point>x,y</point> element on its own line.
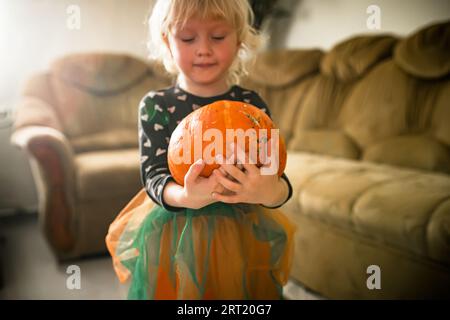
<point>250,186</point>
<point>197,189</point>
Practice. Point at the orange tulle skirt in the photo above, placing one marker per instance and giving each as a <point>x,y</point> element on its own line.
<point>221,251</point>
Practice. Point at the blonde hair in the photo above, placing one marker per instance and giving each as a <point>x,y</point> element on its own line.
<point>238,13</point>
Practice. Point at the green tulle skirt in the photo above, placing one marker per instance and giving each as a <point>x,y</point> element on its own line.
<point>221,251</point>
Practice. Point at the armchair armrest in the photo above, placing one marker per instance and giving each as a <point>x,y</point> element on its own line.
<point>52,164</point>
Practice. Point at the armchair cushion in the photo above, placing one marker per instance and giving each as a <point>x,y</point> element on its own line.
<point>98,73</point>
<point>107,174</point>
<point>108,140</point>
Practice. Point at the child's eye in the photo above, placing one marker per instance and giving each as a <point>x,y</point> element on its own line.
<point>219,38</point>
<point>187,40</point>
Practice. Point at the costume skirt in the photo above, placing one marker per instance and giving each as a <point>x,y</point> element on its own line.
<point>221,251</point>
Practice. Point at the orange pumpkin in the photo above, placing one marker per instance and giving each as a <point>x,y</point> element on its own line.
<point>203,134</point>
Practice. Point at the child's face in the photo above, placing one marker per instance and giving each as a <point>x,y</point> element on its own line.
<point>204,50</point>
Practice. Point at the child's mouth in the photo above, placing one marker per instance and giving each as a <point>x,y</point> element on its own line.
<point>204,65</point>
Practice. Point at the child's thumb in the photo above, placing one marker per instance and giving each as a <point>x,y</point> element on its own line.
<point>194,170</point>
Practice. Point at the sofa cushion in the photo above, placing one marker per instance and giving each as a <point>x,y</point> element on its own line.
<point>322,103</point>
<point>425,54</point>
<point>330,142</point>
<point>106,174</point>
<point>413,151</point>
<point>351,58</point>
<point>281,68</point>
<point>379,105</point>
<point>402,208</point>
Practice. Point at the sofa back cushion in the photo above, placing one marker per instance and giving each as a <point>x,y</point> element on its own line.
<point>322,141</point>
<point>352,58</point>
<point>425,54</point>
<point>414,151</point>
<point>341,69</point>
<point>398,114</point>
<point>282,78</point>
<point>379,99</point>
<point>377,106</point>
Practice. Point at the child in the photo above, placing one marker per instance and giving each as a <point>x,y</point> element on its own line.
<point>215,237</point>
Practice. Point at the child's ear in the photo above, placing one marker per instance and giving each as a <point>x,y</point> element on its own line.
<point>239,46</point>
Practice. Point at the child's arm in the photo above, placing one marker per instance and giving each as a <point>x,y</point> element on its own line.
<point>174,195</point>
<point>280,195</point>
<point>153,143</point>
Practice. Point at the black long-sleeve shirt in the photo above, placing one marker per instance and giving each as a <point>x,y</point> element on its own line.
<point>159,114</point>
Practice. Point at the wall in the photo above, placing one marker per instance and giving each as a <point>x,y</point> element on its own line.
<point>322,23</point>
<point>35,32</point>
<point>17,189</point>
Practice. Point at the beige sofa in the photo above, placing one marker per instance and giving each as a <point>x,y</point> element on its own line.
<point>368,132</point>
<point>368,136</point>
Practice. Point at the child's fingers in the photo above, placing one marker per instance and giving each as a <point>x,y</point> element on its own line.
<point>219,188</point>
<point>233,198</point>
<point>271,154</point>
<point>194,171</point>
<point>227,183</point>
<point>249,165</point>
<point>230,169</point>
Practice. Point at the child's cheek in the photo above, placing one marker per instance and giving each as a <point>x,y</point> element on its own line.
<point>183,57</point>
<point>228,53</point>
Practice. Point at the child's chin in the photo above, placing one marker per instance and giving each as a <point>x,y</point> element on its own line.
<point>206,80</point>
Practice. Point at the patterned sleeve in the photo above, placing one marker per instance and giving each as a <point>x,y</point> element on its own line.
<point>257,101</point>
<point>153,143</point>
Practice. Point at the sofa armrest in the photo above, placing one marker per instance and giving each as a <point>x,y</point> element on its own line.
<point>52,163</point>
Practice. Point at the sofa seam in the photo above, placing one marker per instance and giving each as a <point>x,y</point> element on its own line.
<point>385,182</point>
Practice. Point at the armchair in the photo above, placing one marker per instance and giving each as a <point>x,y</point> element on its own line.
<point>77,124</point>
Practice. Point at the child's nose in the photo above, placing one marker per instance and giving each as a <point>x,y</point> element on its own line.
<point>204,47</point>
